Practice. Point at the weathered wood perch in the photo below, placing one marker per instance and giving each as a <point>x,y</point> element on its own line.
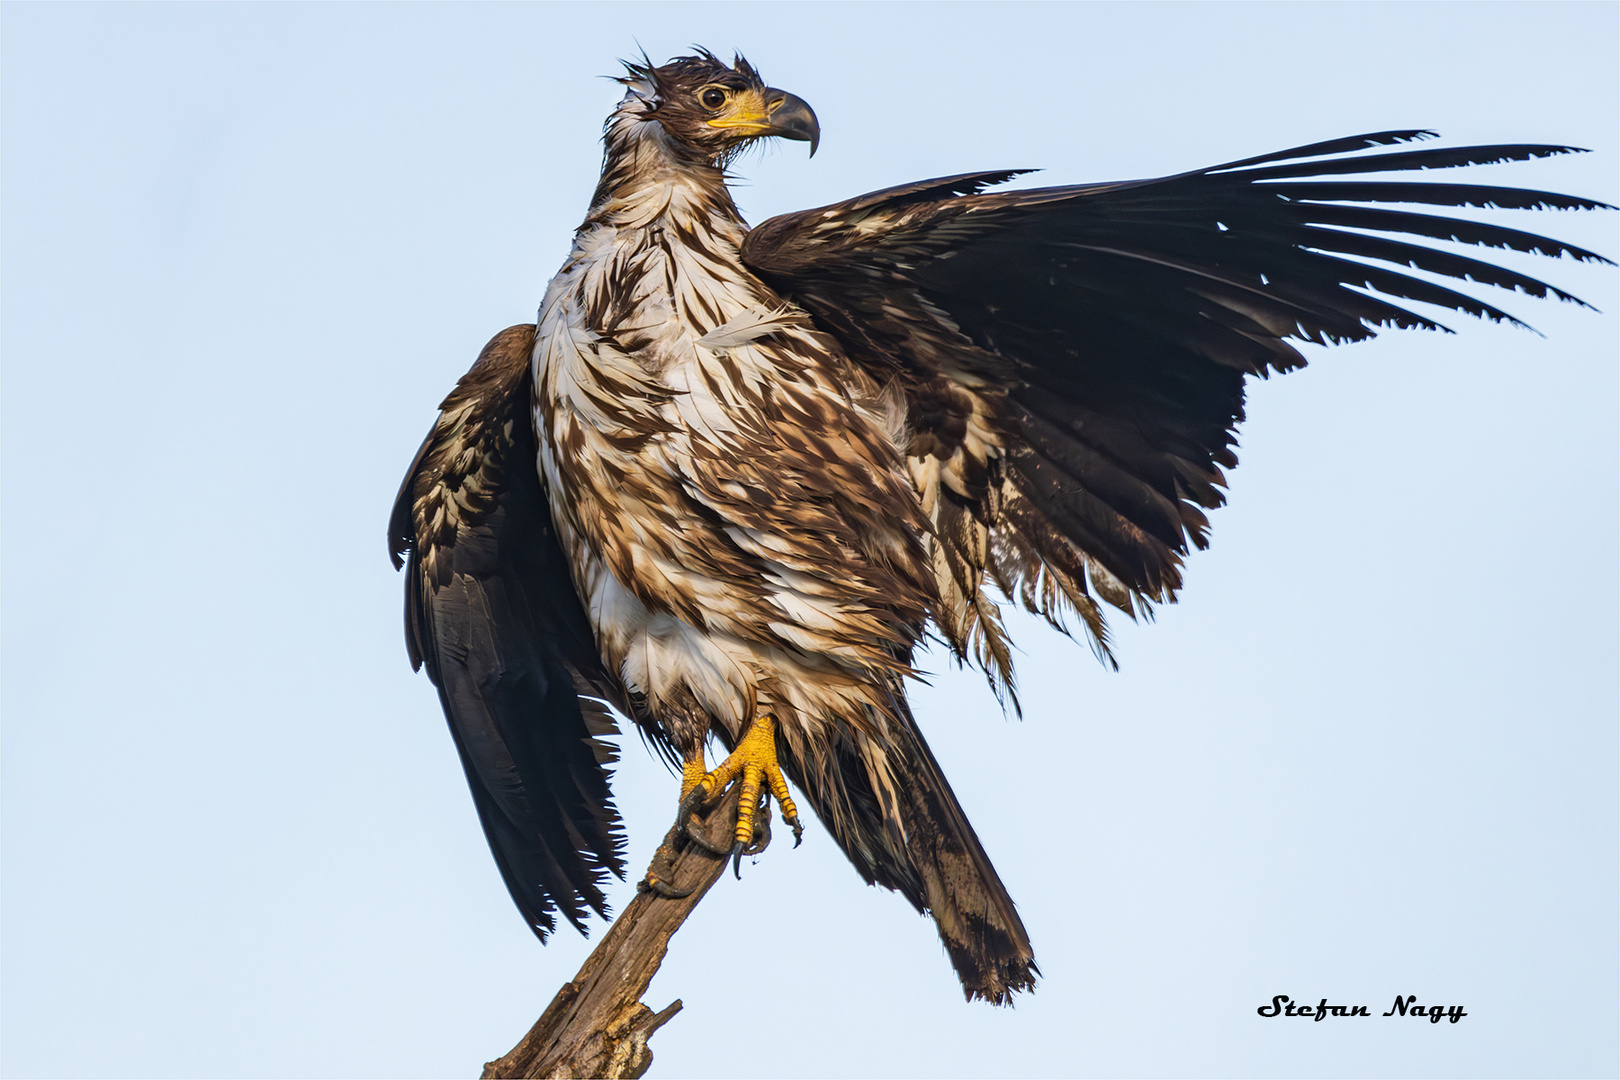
<point>597,1026</point>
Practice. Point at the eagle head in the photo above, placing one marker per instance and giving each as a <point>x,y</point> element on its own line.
<point>715,110</point>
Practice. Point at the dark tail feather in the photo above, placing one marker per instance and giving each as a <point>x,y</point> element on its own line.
<point>930,855</point>
<point>977,920</point>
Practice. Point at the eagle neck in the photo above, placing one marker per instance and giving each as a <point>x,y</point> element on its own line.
<point>647,175</point>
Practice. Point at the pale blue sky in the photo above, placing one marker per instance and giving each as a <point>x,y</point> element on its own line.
<point>247,249</point>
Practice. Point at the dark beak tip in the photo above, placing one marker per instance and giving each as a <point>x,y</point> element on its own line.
<point>794,119</point>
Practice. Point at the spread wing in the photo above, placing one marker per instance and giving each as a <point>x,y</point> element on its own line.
<point>491,611</point>
<point>1073,359</point>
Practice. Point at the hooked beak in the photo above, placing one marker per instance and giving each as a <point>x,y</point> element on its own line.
<point>790,117</point>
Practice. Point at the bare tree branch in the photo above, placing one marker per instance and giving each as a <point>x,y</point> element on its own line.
<point>597,1026</point>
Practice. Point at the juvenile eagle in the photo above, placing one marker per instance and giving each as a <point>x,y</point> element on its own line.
<point>732,477</point>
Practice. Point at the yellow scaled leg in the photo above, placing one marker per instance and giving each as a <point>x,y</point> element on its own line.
<point>753,765</point>
<point>692,773</point>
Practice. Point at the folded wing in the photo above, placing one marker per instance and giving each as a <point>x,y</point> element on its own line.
<point>1073,359</point>
<point>491,611</point>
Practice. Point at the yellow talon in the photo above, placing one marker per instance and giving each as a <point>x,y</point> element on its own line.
<point>753,763</point>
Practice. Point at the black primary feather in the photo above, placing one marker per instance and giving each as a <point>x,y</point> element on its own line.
<point>1108,329</point>
<point>492,613</point>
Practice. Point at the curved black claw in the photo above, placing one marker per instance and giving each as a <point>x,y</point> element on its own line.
<point>756,844</point>
<point>661,871</point>
<point>688,828</point>
<point>658,887</point>
<point>798,830</point>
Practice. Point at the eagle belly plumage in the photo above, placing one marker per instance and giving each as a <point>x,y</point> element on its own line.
<point>731,478</point>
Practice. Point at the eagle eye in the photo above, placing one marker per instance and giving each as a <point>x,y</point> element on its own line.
<point>712,98</point>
